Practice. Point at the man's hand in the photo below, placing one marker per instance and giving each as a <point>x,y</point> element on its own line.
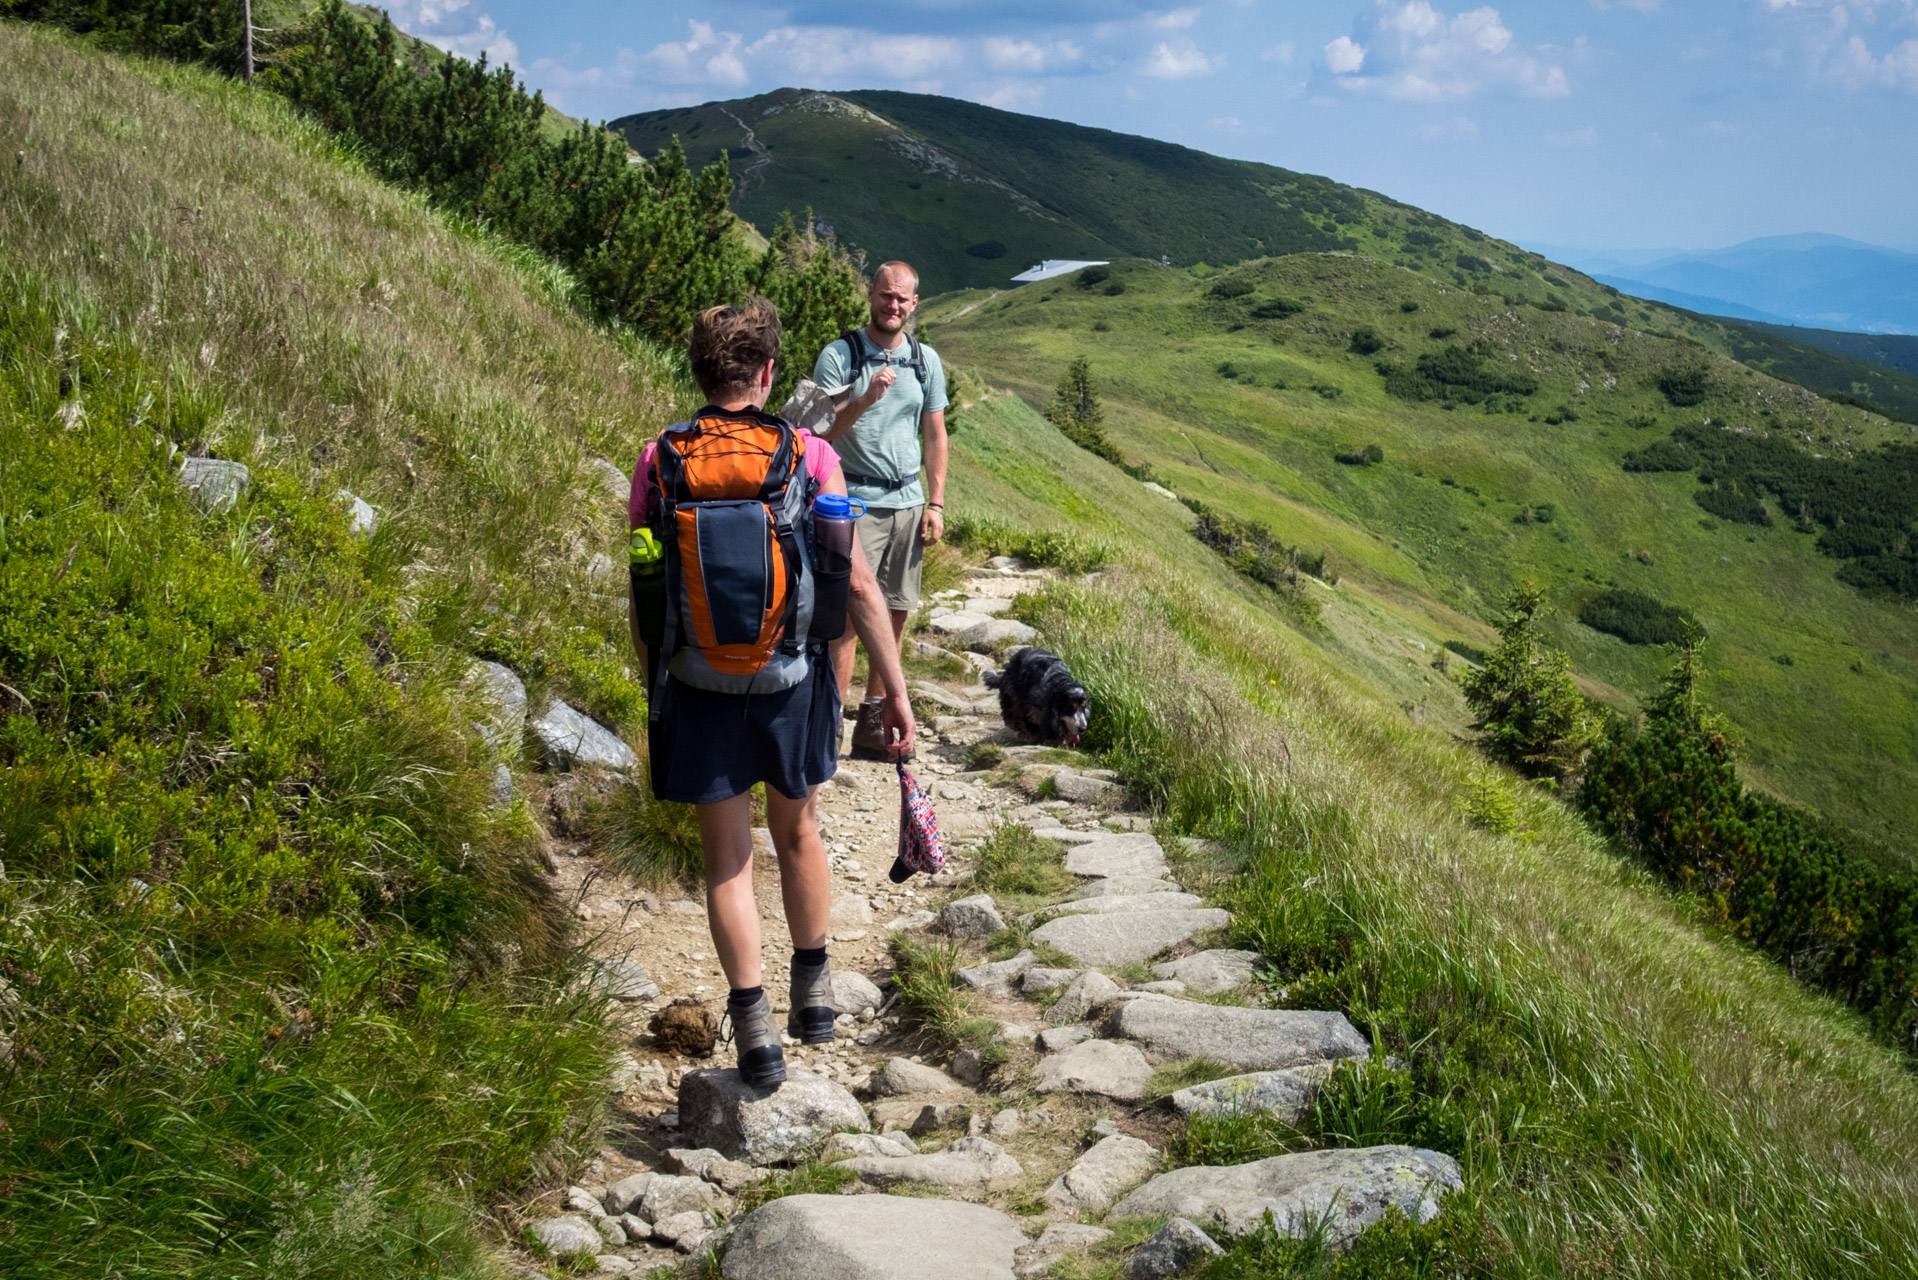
<point>933,527</point>
<point>895,716</point>
<point>881,383</point>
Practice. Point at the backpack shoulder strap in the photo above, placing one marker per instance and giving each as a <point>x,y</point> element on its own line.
<point>917,358</point>
<point>855,351</point>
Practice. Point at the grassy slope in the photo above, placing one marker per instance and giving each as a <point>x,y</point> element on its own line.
<point>1655,1103</point>
<point>1893,350</point>
<point>1425,556</point>
<point>321,813</point>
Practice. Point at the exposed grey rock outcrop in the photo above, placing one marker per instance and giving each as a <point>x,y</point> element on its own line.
<point>872,1237</point>
<point>360,516</point>
<point>1256,1039</point>
<point>1121,885</point>
<point>997,977</point>
<point>1108,903</point>
<point>1036,979</point>
<point>1348,1190</point>
<point>570,737</point>
<point>1080,789</point>
<point>215,485</point>
<point>501,699</point>
<point>1082,995</point>
<point>625,980</point>
<point>717,1109</point>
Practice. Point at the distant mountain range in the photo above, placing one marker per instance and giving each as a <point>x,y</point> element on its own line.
<point>1821,281</point>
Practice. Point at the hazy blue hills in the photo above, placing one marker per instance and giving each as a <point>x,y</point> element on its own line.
<point>1813,280</point>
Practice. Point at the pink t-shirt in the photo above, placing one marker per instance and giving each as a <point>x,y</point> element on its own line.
<point>822,463</point>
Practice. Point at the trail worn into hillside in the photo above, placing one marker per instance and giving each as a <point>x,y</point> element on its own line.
<point>1006,1147</point>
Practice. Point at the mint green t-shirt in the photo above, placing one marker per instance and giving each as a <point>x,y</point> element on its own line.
<point>885,441</point>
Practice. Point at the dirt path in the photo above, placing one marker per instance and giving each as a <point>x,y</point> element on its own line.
<point>753,174</point>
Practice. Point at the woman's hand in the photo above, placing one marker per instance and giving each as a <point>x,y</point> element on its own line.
<point>895,715</point>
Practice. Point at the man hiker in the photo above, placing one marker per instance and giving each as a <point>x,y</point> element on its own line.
<point>731,585</point>
<point>889,393</point>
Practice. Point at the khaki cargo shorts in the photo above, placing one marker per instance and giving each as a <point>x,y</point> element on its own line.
<point>891,541</point>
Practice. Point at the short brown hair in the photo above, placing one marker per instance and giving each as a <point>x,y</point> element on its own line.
<point>728,345</point>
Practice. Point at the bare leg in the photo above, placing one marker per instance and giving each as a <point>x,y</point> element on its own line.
<point>876,683</point>
<point>804,880</point>
<point>726,837</point>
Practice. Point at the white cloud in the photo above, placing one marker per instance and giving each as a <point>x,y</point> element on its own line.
<point>1586,137</point>
<point>1283,52</point>
<point>1006,54</point>
<point>448,25</point>
<point>1228,124</point>
<point>821,52</point>
<point>1444,130</point>
<point>1345,56</point>
<point>1014,97</point>
<point>1420,54</point>
<point>1180,60</point>
<point>1176,20</point>
<point>705,57</point>
<point>1645,6</point>
<point>1835,40</point>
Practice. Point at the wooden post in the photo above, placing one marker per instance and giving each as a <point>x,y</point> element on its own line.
<point>246,38</point>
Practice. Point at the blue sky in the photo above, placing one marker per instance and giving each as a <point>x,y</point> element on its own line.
<point>1613,124</point>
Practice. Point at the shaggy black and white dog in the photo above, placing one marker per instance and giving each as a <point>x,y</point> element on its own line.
<point>1039,700</point>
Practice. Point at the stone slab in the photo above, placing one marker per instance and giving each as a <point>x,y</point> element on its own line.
<point>1346,1190</point>
<point>1256,1039</point>
<point>872,1237</point>
<point>717,1109</point>
<point>1210,972</point>
<point>1285,1093</point>
<point>1134,853</point>
<point>1107,1067</point>
<point>1129,937</point>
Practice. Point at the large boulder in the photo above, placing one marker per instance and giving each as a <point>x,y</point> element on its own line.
<point>717,1109</point>
<point>1210,972</point>
<point>571,737</point>
<point>989,633</point>
<point>1080,789</point>
<point>1285,1093</point>
<point>669,1195</point>
<point>903,1076</point>
<point>1117,1071</point>
<point>872,1237</point>
<point>1134,854</point>
<point>1115,1165</point>
<point>969,1166</point>
<point>1128,937</point>
<point>1348,1190</point>
<point>1255,1039</point>
<point>1177,1246</point>
<point>215,485</point>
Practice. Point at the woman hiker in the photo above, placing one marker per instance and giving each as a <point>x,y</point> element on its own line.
<point>767,707</point>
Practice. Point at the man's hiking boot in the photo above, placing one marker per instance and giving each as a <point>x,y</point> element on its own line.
<point>811,1014</point>
<point>869,732</point>
<point>762,1063</point>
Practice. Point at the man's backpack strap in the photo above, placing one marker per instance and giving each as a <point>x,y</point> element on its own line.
<point>856,348</point>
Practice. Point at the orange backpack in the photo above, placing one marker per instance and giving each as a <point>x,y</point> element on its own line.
<point>732,510</point>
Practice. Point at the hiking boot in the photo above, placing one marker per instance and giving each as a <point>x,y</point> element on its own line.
<point>762,1063</point>
<point>869,731</point>
<point>811,1014</point>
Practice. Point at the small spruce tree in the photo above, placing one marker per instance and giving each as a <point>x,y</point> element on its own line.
<point>1076,411</point>
<point>1526,707</point>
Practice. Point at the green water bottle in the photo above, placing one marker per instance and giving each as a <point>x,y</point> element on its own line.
<point>648,567</point>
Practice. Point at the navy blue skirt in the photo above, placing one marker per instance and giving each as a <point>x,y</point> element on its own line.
<point>707,747</point>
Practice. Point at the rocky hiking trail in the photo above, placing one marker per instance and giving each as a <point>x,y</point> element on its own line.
<point>982,1162</point>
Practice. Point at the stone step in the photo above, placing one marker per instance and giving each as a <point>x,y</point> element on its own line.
<point>1134,853</point>
<point>1105,941</point>
<point>1255,1039</point>
<point>1347,1190</point>
<point>872,1237</point>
